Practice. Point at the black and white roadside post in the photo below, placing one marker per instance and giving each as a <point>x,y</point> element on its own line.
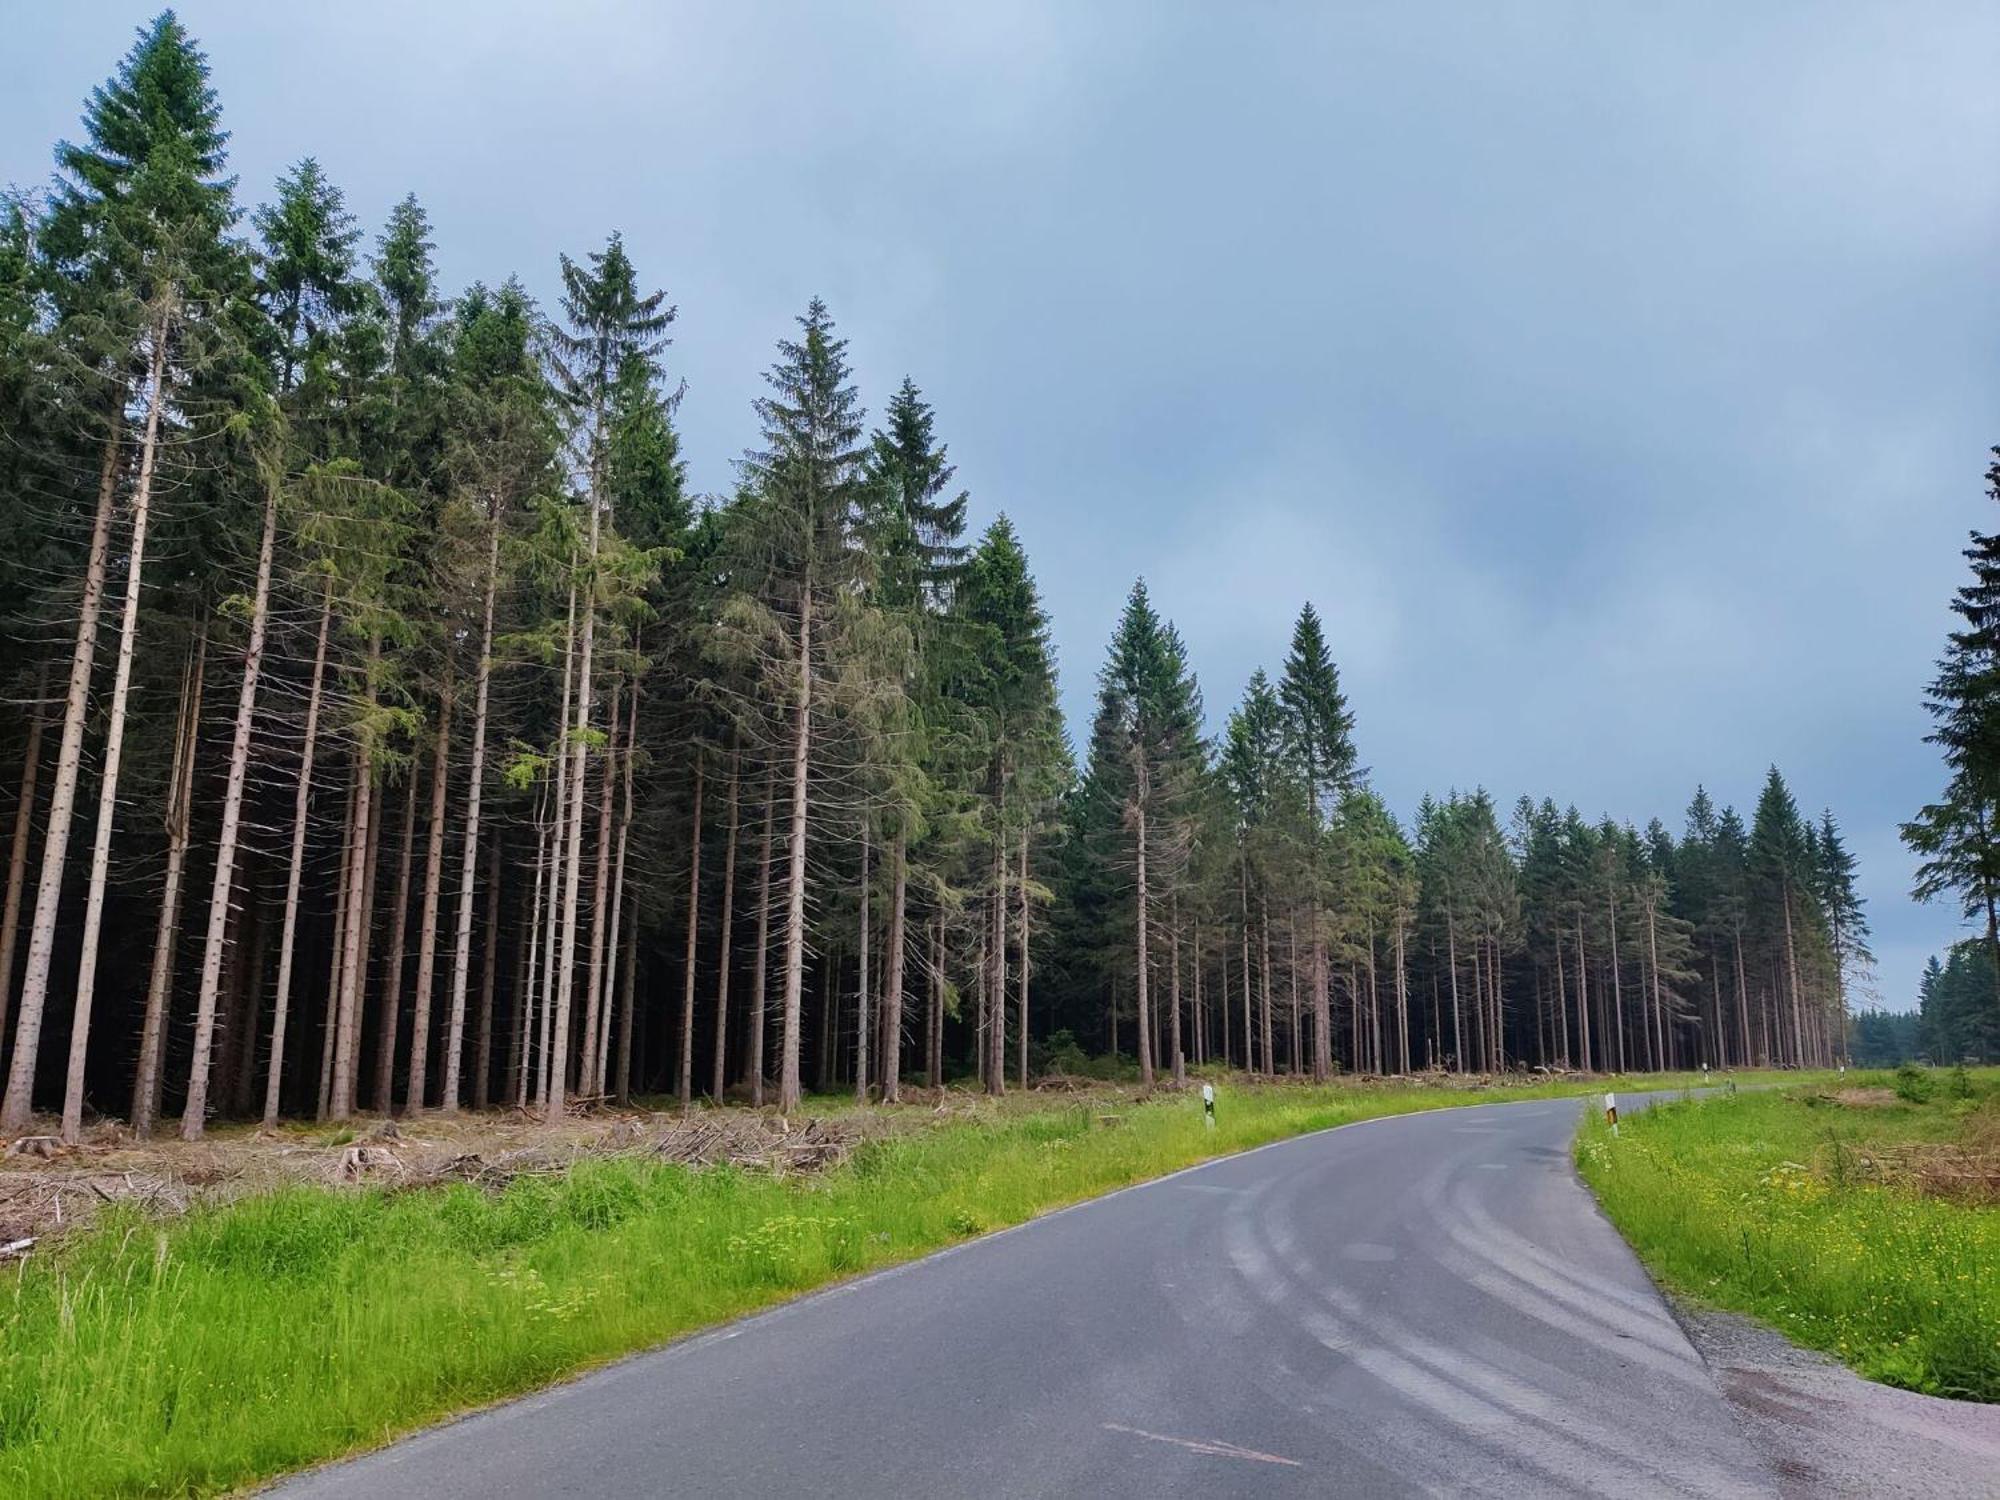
<point>1611,1112</point>
<point>1208,1105</point>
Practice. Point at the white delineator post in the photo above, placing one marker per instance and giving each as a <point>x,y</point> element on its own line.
<point>1611,1112</point>
<point>1208,1105</point>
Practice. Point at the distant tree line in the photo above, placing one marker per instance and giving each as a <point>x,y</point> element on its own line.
<point>1255,902</point>
<point>397,731</point>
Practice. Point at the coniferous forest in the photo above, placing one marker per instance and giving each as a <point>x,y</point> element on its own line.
<point>394,729</point>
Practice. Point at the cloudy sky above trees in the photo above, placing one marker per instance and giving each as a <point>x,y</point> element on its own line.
<point>1617,384</point>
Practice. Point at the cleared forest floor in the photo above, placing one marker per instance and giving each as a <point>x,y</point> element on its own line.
<point>320,1293</point>
<point>48,1190</point>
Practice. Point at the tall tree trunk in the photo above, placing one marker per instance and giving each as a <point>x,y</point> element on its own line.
<point>229,1005</point>
<point>758,976</point>
<point>390,1026</point>
<point>1322,1006</point>
<point>829,1029</point>
<point>552,938</point>
<point>1792,981</point>
<point>1292,982</point>
<point>194,1116</point>
<point>1451,958</point>
<point>180,814</point>
<point>518,999</point>
<point>892,996</point>
<point>1023,980</point>
<point>1200,1012</point>
<point>1374,1007</point>
<point>1561,1017</point>
<point>1243,896</point>
<point>353,982</point>
<point>19,1101</point>
<point>243,1079</point>
<point>1742,1001</point>
<point>114,742</point>
<point>533,999</point>
<point>483,1058</point>
<point>618,900</point>
<point>720,1079</point>
<point>17,862</point>
<point>627,1040</point>
<point>1174,996</point>
<point>360,909</point>
<point>365,929</point>
<point>461,953</point>
<point>1659,1010</point>
<point>1617,989</point>
<point>1140,923</point>
<point>302,798</point>
<point>996,1011</point>
<point>1264,1017</point>
<point>336,979</point>
<point>180,797</point>
<point>686,1090</point>
<point>1582,996</point>
<point>573,851</point>
<point>589,1069</point>
<point>934,1029</point>
<point>861,1059</point>
<point>795,885</point>
<point>1402,1001</point>
<point>427,924</point>
<point>243,980</point>
<point>982,971</point>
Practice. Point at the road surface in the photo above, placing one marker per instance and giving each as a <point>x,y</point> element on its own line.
<point>1428,1304</point>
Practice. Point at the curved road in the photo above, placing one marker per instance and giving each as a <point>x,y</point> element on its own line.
<point>1426,1304</point>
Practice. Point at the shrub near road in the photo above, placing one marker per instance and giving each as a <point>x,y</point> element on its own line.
<point>1862,1221</point>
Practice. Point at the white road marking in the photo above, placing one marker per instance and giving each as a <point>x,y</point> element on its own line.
<point>1213,1446</point>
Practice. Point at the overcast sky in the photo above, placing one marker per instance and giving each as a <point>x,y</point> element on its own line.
<point>1616,380</point>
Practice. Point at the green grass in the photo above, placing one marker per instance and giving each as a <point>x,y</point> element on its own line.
<point>149,1358</point>
<point>1762,1204</point>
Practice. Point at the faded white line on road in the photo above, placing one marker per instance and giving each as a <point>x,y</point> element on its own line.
<point>1213,1446</point>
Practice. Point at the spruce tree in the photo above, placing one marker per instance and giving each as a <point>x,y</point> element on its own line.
<point>802,552</point>
<point>1955,837</point>
<point>1319,730</point>
<point>136,238</point>
<point>308,265</point>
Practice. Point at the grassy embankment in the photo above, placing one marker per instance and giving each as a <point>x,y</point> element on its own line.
<point>184,1357</point>
<point>1854,1221</point>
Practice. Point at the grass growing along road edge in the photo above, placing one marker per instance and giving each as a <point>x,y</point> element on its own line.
<point>150,1357</point>
<point>1760,1204</point>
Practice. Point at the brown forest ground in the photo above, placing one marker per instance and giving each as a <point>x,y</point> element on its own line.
<point>47,1189</point>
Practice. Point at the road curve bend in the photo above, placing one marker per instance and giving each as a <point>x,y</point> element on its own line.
<point>1425,1304</point>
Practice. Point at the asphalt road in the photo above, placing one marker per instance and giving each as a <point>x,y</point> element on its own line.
<point>1423,1305</point>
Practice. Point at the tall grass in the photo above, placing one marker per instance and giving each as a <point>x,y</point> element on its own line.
<point>1754,1203</point>
<point>149,1358</point>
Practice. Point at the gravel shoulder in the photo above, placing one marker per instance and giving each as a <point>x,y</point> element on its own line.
<point>1826,1432</point>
